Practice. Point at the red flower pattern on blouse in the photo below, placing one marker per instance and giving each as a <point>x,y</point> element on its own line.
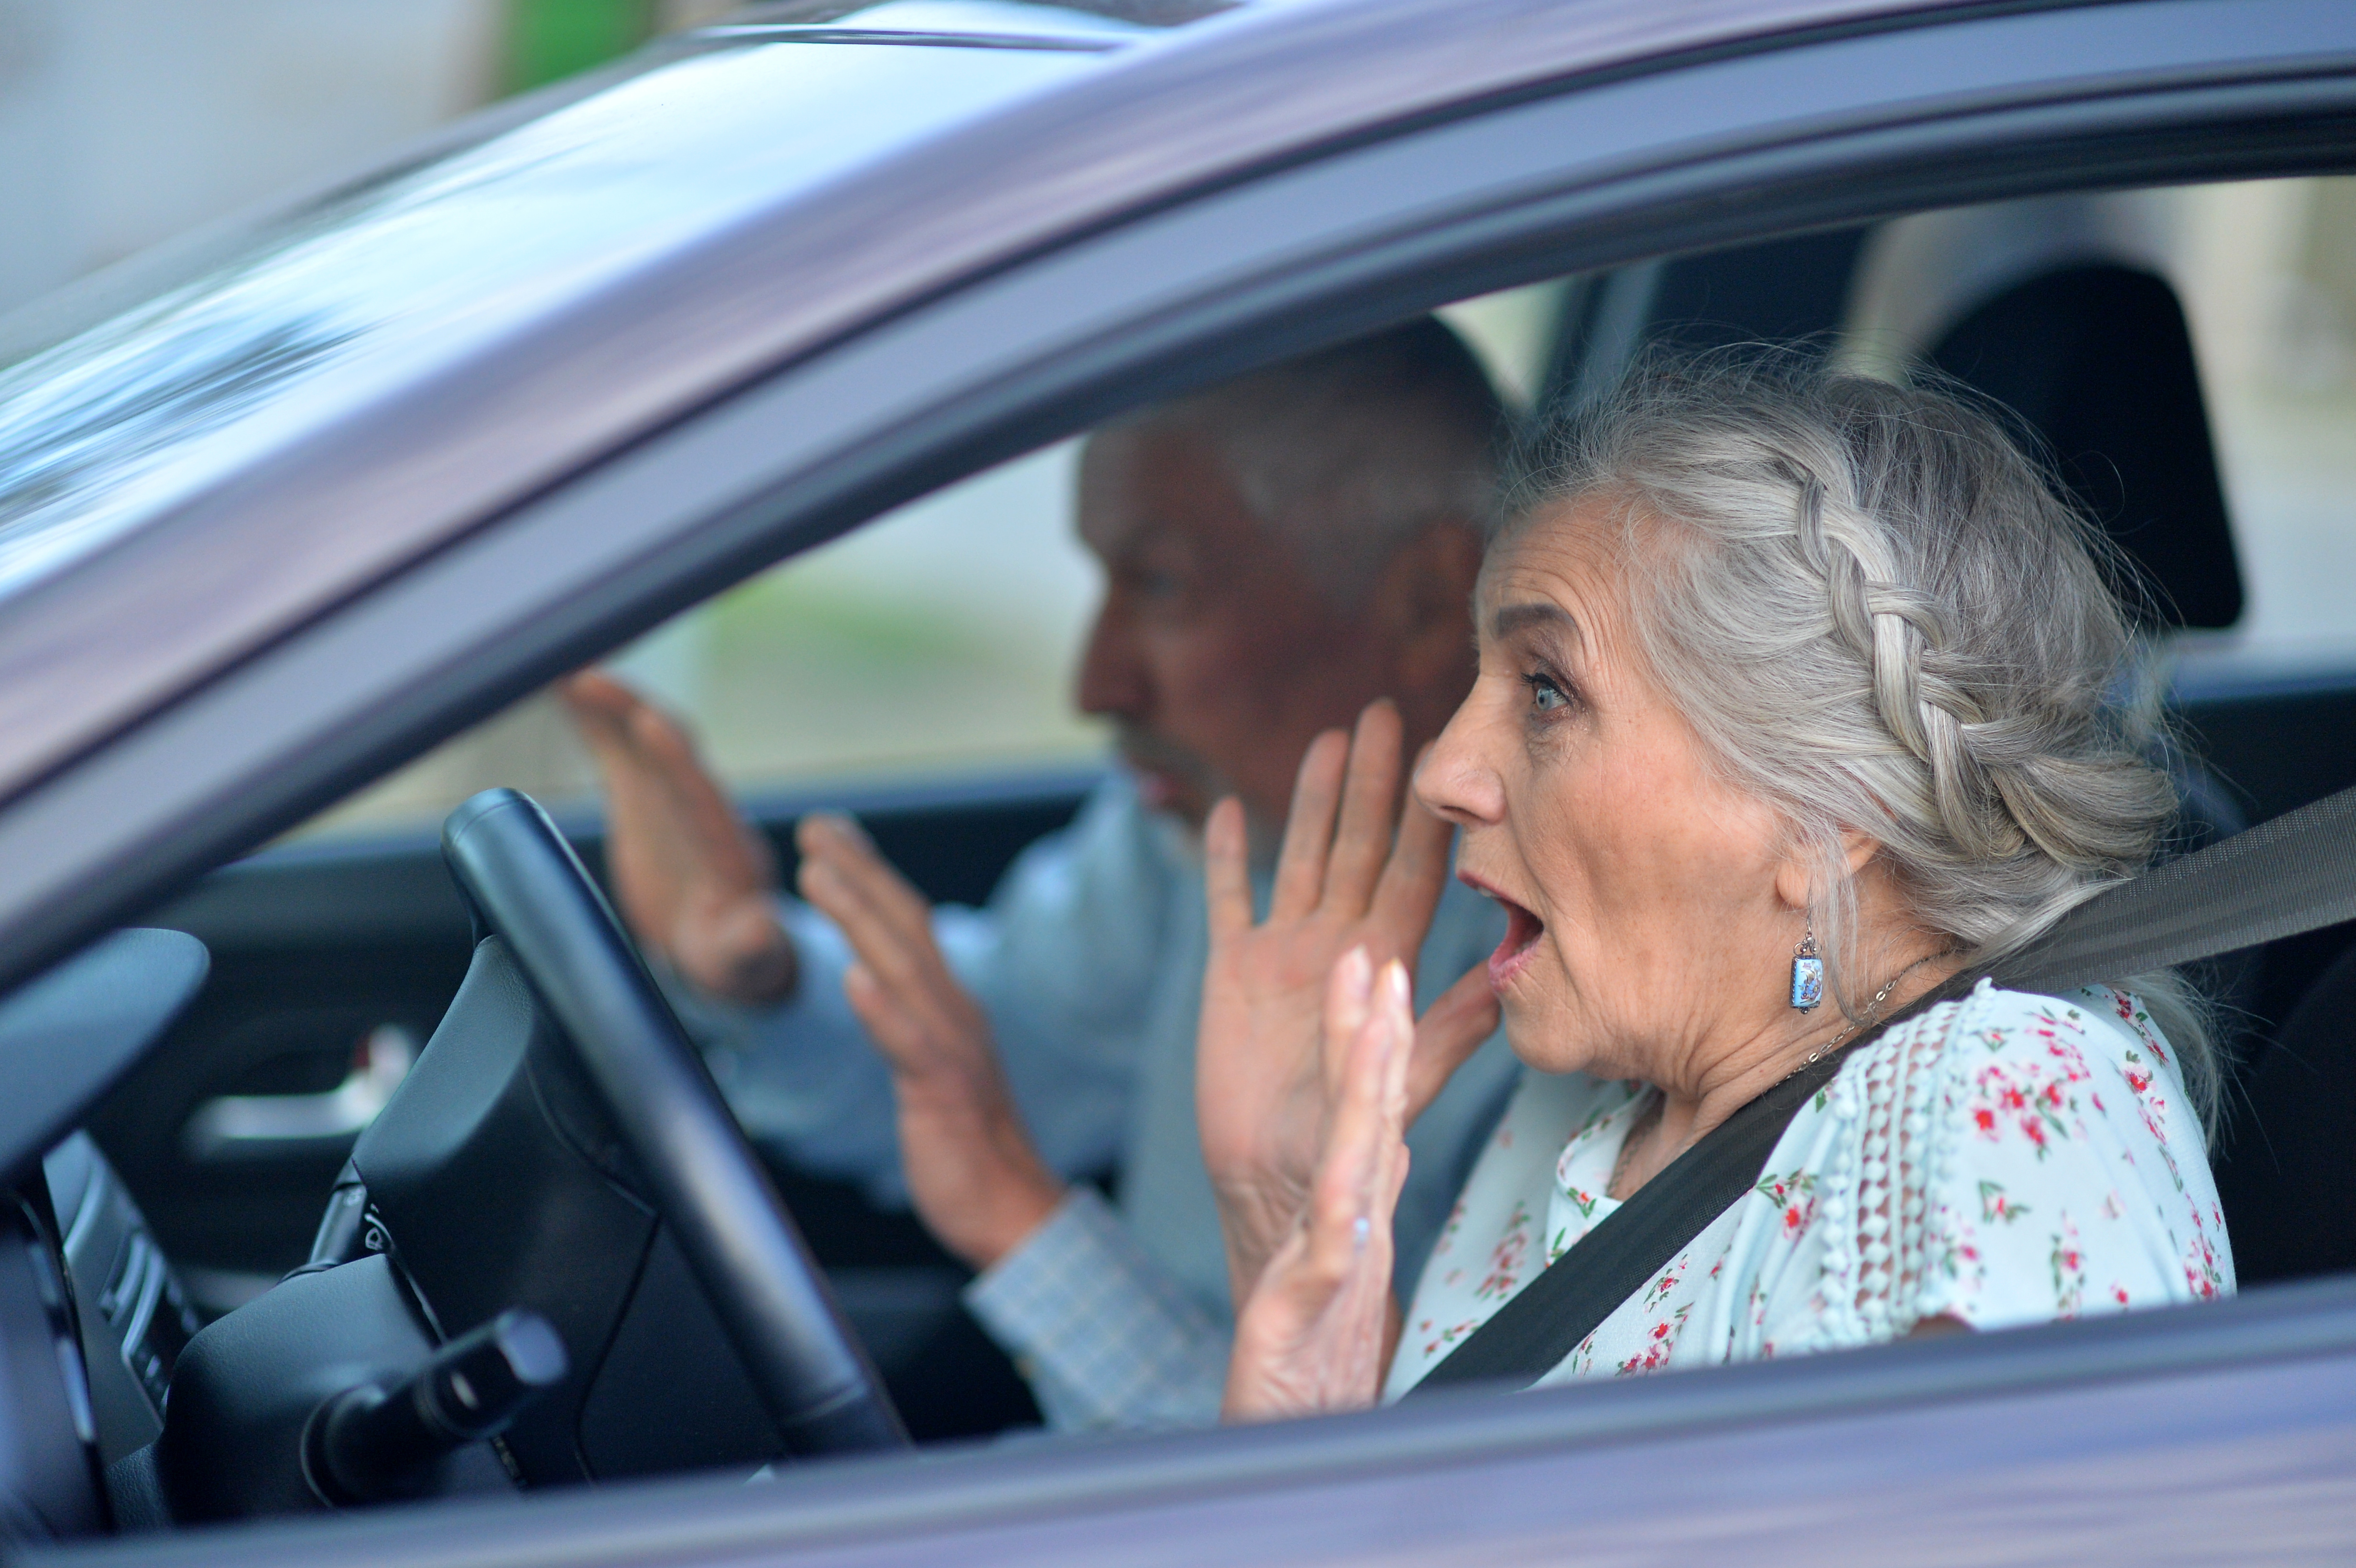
<point>2029,1196</point>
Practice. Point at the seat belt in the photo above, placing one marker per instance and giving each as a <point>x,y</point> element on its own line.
<point>2295,873</point>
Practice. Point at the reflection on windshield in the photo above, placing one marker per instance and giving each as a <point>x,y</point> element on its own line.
<point>337,307</point>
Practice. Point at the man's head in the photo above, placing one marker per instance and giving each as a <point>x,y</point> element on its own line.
<point>1279,551</point>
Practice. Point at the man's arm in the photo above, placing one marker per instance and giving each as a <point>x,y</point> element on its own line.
<point>1106,1339</point>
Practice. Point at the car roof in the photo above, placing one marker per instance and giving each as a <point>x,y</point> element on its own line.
<point>379,414</point>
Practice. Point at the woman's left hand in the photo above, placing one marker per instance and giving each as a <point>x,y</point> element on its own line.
<point>1317,1331</point>
<point>1358,870</point>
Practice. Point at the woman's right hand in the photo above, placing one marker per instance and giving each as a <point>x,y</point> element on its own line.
<point>1354,872</point>
<point>1317,1331</point>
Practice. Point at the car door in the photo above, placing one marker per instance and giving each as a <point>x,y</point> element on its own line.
<point>1823,131</point>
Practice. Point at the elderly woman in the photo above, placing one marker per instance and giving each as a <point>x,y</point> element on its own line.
<point>1795,688</point>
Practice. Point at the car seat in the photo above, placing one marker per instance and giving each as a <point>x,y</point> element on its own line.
<point>2094,362</point>
<point>2094,366</point>
<point>2097,360</point>
<point>2286,1164</point>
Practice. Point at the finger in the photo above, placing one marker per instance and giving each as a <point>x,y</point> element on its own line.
<point>912,970</point>
<point>1415,875</point>
<point>1455,1028</point>
<point>1308,828</point>
<point>899,1033</point>
<point>600,707</point>
<point>1394,1010</point>
<point>1358,1152</point>
<point>1361,841</point>
<point>1394,1003</point>
<point>718,841</point>
<point>836,842</point>
<point>1348,995</point>
<point>897,957</point>
<point>1226,870</point>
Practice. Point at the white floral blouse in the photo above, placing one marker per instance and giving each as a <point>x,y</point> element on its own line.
<point>2003,1160</point>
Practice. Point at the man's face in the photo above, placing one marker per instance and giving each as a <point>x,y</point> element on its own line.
<point>1214,653</point>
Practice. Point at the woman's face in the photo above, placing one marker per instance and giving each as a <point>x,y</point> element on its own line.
<point>1651,931</point>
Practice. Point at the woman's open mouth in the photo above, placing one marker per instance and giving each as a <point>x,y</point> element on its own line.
<point>1523,929</point>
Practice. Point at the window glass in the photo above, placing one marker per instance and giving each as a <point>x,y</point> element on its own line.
<point>939,640</point>
<point>2266,271</point>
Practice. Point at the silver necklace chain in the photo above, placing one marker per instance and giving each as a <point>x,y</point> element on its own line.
<point>1872,1017</point>
<point>1651,1113</point>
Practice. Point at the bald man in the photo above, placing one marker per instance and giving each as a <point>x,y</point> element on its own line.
<point>1278,553</point>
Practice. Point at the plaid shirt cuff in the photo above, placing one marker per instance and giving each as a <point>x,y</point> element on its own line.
<point>1105,1337</point>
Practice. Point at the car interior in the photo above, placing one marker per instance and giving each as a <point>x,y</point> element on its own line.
<point>219,1166</point>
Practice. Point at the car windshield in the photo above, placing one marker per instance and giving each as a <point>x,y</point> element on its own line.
<point>334,306</point>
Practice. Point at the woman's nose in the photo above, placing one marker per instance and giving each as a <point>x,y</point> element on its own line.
<point>1453,782</point>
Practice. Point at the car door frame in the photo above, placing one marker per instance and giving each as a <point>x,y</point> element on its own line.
<point>1306,254</point>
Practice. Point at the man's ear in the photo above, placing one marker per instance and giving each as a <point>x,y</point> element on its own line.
<point>1424,597</point>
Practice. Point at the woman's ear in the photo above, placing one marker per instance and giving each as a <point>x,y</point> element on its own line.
<point>1795,875</point>
<point>1858,849</point>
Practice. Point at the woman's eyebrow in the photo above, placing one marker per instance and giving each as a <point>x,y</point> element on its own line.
<point>1534,615</point>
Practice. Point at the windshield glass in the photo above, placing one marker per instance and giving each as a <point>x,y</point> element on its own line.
<point>338,305</point>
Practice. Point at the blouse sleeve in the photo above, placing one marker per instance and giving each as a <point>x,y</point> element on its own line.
<point>2062,1168</point>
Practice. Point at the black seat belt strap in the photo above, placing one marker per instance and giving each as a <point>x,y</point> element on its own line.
<point>2295,873</point>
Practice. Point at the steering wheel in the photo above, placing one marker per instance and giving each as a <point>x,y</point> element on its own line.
<point>524,883</point>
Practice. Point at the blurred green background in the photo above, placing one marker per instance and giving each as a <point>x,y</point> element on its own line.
<point>547,40</point>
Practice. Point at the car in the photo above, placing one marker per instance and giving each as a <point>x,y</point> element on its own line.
<point>289,504</point>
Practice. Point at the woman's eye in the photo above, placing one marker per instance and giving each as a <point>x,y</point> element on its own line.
<point>1546,696</point>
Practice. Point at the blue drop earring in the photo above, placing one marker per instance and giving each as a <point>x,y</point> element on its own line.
<point>1808,972</point>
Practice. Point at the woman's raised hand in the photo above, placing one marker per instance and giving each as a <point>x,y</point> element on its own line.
<point>1317,1330</point>
<point>1354,872</point>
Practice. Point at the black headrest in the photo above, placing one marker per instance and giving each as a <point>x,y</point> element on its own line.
<point>1781,291</point>
<point>2097,360</point>
<point>1777,291</point>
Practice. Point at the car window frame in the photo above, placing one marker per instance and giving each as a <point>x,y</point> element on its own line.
<point>943,391</point>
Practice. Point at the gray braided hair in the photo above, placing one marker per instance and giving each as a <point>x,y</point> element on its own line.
<point>1878,615</point>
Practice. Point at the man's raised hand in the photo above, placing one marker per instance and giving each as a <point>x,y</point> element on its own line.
<point>1354,872</point>
<point>977,1182</point>
<point>695,884</point>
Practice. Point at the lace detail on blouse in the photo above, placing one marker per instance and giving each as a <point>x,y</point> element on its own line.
<point>2005,1158</point>
<point>1877,1263</point>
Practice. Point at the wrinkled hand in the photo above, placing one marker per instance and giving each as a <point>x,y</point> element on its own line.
<point>1317,1330</point>
<point>693,881</point>
<point>978,1183</point>
<point>1354,872</point>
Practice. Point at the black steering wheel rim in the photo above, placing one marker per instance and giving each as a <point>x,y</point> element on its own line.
<point>524,883</point>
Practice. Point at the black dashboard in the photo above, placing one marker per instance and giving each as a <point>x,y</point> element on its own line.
<point>92,1320</point>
